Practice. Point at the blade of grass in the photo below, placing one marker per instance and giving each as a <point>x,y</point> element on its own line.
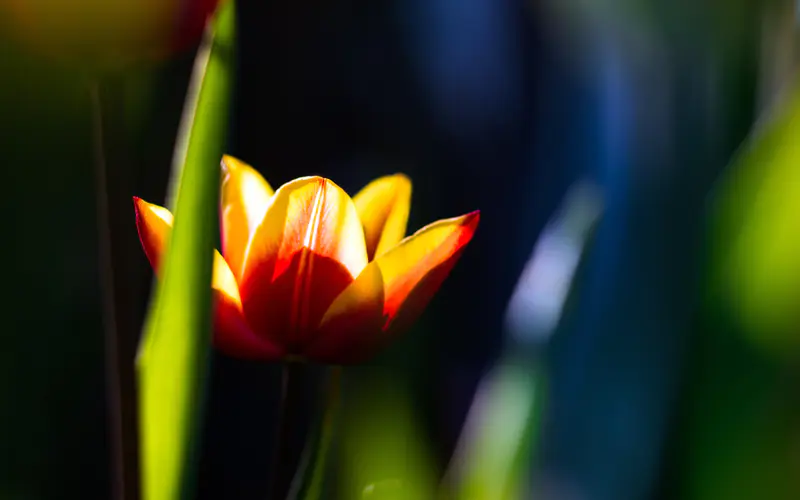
<point>173,356</point>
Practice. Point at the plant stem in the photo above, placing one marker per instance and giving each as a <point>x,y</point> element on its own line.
<point>290,419</point>
<point>120,336</point>
<point>310,477</point>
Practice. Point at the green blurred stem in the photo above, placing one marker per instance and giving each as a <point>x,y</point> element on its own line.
<point>113,221</point>
<point>291,415</point>
<point>309,480</point>
<point>298,477</point>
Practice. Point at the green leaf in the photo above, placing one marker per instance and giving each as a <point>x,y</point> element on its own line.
<point>383,450</point>
<point>173,357</point>
<point>500,434</point>
<point>756,232</point>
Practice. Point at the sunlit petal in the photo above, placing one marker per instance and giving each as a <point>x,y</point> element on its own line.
<point>383,207</point>
<point>307,249</point>
<point>402,281</point>
<point>154,224</point>
<point>413,271</point>
<point>244,198</point>
<point>231,333</point>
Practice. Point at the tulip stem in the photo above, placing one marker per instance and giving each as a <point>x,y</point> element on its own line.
<point>310,477</point>
<point>289,420</point>
<point>297,477</point>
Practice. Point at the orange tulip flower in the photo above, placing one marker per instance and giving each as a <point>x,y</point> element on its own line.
<point>308,273</point>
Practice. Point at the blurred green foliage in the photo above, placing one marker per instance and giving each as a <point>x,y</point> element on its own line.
<point>383,448</point>
<point>741,427</point>
<point>498,444</point>
<point>172,366</point>
<point>742,433</point>
<point>756,233</point>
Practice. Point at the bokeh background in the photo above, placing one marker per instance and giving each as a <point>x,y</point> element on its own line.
<point>655,386</point>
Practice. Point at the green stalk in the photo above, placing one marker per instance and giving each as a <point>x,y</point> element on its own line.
<point>310,478</point>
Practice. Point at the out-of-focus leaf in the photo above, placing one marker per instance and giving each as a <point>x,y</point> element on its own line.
<point>756,231</point>
<point>498,441</point>
<point>499,435</point>
<point>741,434</point>
<point>391,489</point>
<point>384,452</point>
<point>173,359</point>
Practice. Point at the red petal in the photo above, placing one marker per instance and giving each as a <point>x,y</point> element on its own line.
<point>305,252</point>
<point>233,336</point>
<point>350,331</point>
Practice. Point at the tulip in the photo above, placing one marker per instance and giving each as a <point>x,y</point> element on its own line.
<point>307,273</point>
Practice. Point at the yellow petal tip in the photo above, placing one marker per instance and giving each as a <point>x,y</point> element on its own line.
<point>402,177</point>
<point>228,163</point>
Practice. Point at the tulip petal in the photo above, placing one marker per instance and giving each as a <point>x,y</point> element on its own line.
<point>244,199</point>
<point>350,330</point>
<point>383,207</point>
<point>232,335</point>
<point>308,248</point>
<point>154,224</point>
<point>419,264</point>
<point>391,292</point>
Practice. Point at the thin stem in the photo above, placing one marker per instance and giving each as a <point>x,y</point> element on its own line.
<point>290,418</point>
<point>310,477</point>
<point>120,338</point>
